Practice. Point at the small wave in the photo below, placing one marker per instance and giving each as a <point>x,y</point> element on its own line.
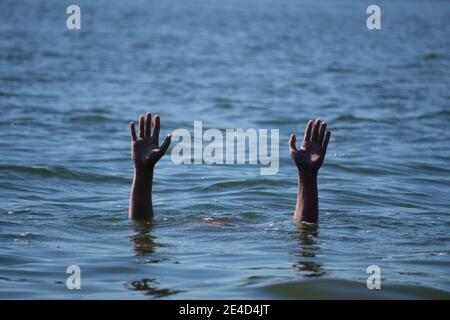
<point>18,56</point>
<point>26,95</point>
<point>346,289</point>
<point>249,183</point>
<point>340,70</point>
<point>220,222</point>
<point>277,122</point>
<point>350,118</point>
<point>365,169</point>
<point>91,118</point>
<point>223,103</point>
<point>11,78</point>
<point>60,172</point>
<point>441,114</point>
<point>432,56</point>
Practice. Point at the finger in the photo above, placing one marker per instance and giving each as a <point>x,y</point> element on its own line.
<point>325,142</point>
<point>315,135</point>
<point>141,127</point>
<point>292,142</point>
<point>148,124</point>
<point>307,136</point>
<point>156,128</point>
<point>323,129</point>
<point>133,131</point>
<point>165,145</point>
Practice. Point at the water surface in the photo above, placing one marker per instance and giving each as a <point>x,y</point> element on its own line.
<point>66,98</point>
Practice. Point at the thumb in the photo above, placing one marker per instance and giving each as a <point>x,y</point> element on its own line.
<point>166,143</point>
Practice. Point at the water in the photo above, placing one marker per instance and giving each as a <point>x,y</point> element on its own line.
<point>66,98</point>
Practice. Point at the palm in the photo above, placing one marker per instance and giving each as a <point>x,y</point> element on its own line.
<point>145,149</point>
<point>314,146</point>
<point>310,155</point>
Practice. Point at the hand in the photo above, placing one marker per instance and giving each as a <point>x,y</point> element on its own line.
<point>312,151</point>
<point>145,150</point>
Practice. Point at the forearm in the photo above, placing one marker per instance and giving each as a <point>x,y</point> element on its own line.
<point>307,208</point>
<point>141,195</point>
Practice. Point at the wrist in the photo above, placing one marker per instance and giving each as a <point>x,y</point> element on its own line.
<point>143,167</point>
<point>143,172</point>
<point>307,176</point>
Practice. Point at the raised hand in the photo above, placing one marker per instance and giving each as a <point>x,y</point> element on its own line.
<point>145,149</point>
<point>145,152</point>
<point>313,149</point>
<point>309,159</point>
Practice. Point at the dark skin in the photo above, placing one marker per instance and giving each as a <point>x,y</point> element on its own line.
<point>145,152</point>
<point>308,159</point>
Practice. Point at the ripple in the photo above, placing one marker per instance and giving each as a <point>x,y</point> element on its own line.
<point>61,172</point>
<point>344,289</point>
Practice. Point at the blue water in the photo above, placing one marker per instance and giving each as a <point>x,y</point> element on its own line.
<point>66,98</point>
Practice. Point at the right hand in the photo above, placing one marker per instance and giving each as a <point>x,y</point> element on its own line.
<point>145,149</point>
<point>312,152</point>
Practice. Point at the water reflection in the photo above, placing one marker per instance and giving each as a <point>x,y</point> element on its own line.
<point>150,287</point>
<point>144,245</point>
<point>306,236</point>
<point>144,241</point>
